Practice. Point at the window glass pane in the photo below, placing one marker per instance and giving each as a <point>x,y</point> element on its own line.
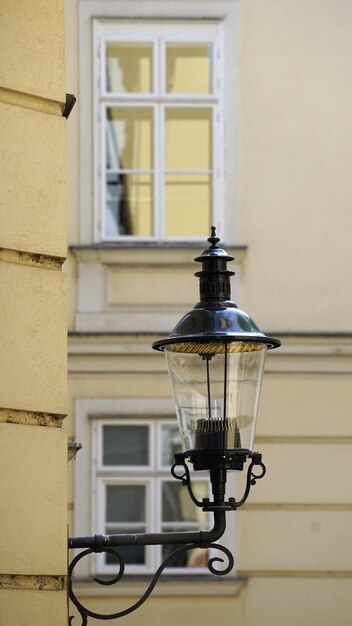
<point>177,505</point>
<point>129,67</point>
<point>188,205</point>
<point>129,204</point>
<point>193,558</point>
<point>188,68</point>
<point>129,138</point>
<point>170,444</point>
<point>125,503</point>
<point>132,555</point>
<point>125,445</point>
<point>188,138</point>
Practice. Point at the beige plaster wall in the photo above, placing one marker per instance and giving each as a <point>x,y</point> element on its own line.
<point>34,64</point>
<point>295,152</point>
<point>33,329</point>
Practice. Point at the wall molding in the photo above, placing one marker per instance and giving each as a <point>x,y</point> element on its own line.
<point>32,582</point>
<point>31,259</point>
<point>30,101</point>
<point>31,418</point>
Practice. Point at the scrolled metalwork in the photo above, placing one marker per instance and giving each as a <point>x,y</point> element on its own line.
<point>85,613</point>
<point>252,478</point>
<point>186,480</point>
<point>231,503</point>
<point>216,559</point>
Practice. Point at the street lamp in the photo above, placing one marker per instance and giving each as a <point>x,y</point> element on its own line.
<point>215,357</point>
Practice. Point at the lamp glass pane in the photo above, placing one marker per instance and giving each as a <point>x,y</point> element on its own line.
<point>170,444</point>
<point>216,389</point>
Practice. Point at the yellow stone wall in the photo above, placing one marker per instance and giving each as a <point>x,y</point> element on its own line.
<point>33,369</point>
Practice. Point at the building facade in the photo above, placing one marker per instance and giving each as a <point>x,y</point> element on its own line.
<point>234,113</point>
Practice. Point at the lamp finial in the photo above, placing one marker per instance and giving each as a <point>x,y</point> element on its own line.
<point>213,239</point>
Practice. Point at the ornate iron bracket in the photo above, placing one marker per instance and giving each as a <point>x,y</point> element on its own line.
<point>187,540</point>
<point>86,613</point>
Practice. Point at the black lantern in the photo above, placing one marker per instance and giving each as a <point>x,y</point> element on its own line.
<point>215,356</point>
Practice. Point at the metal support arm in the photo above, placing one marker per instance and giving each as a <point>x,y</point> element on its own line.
<point>108,543</point>
<point>186,540</point>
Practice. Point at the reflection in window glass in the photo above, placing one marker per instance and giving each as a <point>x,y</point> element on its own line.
<point>188,138</point>
<point>129,134</point>
<point>129,194</point>
<point>177,506</point>
<point>188,205</point>
<point>125,445</point>
<point>188,68</point>
<point>194,558</point>
<point>170,443</point>
<point>129,204</point>
<point>129,67</point>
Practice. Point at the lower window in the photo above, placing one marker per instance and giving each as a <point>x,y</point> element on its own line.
<point>135,493</point>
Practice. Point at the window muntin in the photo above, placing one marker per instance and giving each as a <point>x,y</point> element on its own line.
<point>172,71</point>
<point>143,497</point>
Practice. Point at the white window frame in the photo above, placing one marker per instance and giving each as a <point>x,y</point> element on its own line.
<point>222,13</point>
<point>196,32</point>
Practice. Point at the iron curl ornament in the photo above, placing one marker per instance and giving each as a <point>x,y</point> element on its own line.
<point>85,613</point>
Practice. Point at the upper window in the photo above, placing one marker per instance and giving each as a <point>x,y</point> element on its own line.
<point>158,140</point>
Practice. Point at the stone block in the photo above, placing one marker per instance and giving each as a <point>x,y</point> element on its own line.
<point>33,339</point>
<point>32,179</point>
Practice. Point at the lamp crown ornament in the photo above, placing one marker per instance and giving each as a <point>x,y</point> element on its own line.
<point>215,316</point>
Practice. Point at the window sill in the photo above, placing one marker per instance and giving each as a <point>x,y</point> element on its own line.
<point>172,586</point>
<point>138,288</point>
<point>147,245</point>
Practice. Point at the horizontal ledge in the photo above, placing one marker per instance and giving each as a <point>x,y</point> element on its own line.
<point>31,101</point>
<point>190,586</point>
<point>32,582</point>
<point>31,418</point>
<point>299,506</point>
<point>296,573</point>
<point>155,245</point>
<point>304,439</point>
<point>112,333</point>
<point>32,259</point>
<point>273,333</point>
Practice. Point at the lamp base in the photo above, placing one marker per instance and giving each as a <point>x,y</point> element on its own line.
<point>218,463</point>
<point>229,459</point>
